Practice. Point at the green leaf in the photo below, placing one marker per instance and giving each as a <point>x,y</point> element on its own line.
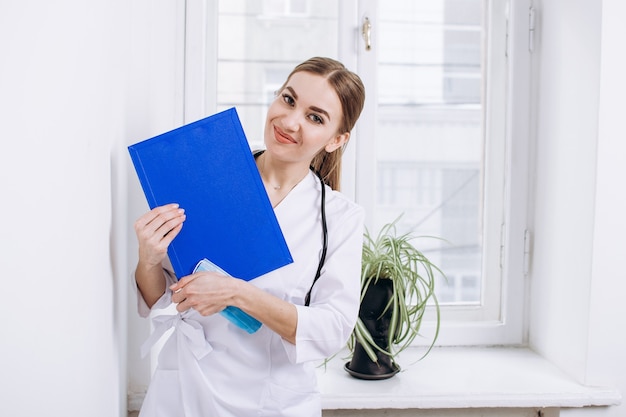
<point>395,257</point>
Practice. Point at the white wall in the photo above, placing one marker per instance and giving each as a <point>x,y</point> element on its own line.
<point>608,310</point>
<point>577,310</point>
<point>567,64</point>
<point>155,105</point>
<point>61,121</point>
<point>79,81</point>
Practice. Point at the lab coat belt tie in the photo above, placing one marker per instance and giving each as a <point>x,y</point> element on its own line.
<point>196,391</point>
<point>190,329</point>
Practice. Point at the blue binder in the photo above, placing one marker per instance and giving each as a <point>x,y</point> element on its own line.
<point>208,168</point>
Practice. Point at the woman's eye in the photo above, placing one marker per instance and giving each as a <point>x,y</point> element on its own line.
<point>316,119</point>
<point>288,99</point>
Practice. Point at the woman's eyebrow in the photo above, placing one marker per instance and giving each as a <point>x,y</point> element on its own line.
<point>293,92</point>
<point>318,110</point>
<point>314,108</point>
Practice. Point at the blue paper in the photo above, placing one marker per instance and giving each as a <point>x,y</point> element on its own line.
<point>236,316</point>
<point>207,167</point>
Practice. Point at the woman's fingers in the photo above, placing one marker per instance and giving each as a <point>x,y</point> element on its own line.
<point>202,291</point>
<point>156,229</point>
<point>160,220</point>
<point>178,286</point>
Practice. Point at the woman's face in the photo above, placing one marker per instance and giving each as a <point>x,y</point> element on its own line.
<point>303,119</point>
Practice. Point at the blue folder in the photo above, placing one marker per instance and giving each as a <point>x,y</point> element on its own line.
<point>208,168</point>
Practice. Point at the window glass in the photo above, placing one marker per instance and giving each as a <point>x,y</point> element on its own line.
<point>430,139</point>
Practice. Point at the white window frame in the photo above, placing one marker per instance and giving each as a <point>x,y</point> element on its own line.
<point>507,327</point>
<point>287,9</point>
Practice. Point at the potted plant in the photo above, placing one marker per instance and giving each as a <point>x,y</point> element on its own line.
<point>397,283</point>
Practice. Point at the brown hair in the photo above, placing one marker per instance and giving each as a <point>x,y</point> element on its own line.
<point>351,93</point>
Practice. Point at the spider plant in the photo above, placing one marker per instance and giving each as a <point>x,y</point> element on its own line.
<point>390,256</point>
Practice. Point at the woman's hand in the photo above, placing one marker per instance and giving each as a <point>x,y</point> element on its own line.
<point>206,292</point>
<point>210,292</point>
<point>155,231</point>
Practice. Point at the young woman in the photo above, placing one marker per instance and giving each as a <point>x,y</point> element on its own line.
<point>211,368</point>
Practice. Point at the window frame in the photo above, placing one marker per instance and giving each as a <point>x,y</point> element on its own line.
<point>508,245</point>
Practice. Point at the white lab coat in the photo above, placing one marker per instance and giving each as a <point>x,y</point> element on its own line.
<point>210,368</point>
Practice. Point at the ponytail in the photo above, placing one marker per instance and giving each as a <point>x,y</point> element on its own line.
<point>328,166</point>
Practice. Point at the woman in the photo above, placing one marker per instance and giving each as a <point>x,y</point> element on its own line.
<point>272,371</point>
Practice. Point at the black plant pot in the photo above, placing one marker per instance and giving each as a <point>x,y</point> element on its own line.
<point>374,301</point>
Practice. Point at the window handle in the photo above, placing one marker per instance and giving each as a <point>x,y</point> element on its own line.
<point>366,31</point>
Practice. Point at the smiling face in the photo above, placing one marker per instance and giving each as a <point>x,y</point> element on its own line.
<point>304,119</point>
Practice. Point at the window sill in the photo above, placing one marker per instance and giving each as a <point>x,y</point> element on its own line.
<point>462,378</point>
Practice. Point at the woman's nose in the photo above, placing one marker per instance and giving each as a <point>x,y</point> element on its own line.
<point>291,121</point>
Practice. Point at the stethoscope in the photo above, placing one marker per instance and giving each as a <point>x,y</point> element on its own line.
<point>307,298</point>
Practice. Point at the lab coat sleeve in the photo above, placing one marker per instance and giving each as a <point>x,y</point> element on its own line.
<point>163,302</point>
<point>324,327</point>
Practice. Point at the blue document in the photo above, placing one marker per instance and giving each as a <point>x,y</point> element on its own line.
<point>236,315</point>
<point>208,168</point>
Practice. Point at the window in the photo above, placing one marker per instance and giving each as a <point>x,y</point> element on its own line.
<point>436,136</point>
<point>431,145</point>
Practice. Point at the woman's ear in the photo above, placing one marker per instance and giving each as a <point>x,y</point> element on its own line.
<point>337,142</point>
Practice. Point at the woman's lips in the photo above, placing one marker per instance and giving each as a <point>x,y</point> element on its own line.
<point>281,137</point>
